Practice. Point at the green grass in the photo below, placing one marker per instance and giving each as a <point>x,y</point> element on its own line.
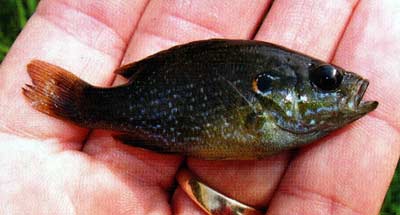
<point>13,17</point>
<point>15,13</point>
<point>392,200</point>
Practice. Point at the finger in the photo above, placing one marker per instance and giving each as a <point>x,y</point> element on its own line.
<point>85,37</point>
<point>164,24</point>
<point>182,204</point>
<point>317,17</point>
<point>183,21</point>
<point>313,27</point>
<point>350,173</point>
<point>371,47</point>
<point>68,182</point>
<point>250,182</point>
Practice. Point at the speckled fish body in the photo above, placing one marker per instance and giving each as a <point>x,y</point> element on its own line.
<point>212,99</point>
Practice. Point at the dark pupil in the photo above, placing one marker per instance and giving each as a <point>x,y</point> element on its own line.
<point>263,82</point>
<point>326,77</point>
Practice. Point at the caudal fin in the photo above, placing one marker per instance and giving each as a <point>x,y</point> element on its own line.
<point>55,91</point>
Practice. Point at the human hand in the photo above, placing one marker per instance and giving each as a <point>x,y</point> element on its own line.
<point>50,166</point>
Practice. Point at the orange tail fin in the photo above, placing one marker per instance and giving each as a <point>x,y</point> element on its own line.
<point>55,91</point>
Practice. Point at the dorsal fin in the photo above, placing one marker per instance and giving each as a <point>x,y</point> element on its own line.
<point>130,69</point>
<point>127,71</point>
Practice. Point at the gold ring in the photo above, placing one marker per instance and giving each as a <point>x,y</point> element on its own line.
<point>211,201</point>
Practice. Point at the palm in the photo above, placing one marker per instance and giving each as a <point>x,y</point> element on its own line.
<point>46,166</point>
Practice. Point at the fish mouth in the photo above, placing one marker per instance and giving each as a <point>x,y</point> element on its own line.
<point>363,107</point>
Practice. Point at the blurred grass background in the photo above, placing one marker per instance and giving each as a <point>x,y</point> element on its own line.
<point>13,16</point>
<point>15,13</point>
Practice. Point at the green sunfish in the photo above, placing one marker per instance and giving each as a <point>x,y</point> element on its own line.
<point>210,99</point>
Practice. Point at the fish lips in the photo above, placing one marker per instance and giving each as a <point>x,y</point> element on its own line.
<point>363,107</point>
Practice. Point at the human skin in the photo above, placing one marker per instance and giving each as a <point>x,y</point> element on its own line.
<point>50,166</point>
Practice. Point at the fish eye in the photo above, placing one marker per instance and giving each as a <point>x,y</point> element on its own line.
<point>262,82</point>
<point>326,77</point>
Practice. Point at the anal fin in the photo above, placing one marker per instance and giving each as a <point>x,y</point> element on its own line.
<point>138,140</point>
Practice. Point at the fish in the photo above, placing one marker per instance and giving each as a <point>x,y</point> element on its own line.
<point>216,99</point>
